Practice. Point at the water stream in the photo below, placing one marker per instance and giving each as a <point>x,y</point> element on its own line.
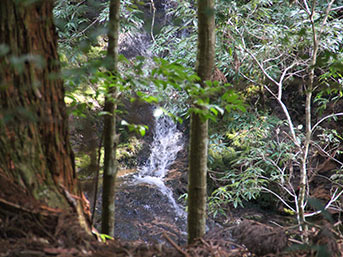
<point>167,142</point>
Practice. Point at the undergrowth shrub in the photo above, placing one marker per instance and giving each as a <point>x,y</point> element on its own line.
<point>251,153</point>
<point>245,154</point>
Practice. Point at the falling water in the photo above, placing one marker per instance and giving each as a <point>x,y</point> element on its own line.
<point>167,142</point>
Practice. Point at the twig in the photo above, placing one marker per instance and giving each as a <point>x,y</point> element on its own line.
<point>330,157</point>
<point>332,200</point>
<point>261,67</point>
<point>175,245</point>
<point>333,182</point>
<point>295,241</point>
<point>279,197</point>
<point>42,228</point>
<point>278,97</point>
<point>205,243</point>
<point>129,254</point>
<point>273,58</point>
<point>337,8</point>
<point>325,118</point>
<point>307,9</point>
<point>83,31</point>
<point>153,20</point>
<point>327,12</point>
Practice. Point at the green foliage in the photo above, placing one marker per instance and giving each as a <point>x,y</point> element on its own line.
<point>247,152</point>
<point>177,41</point>
<point>87,82</point>
<point>130,20</point>
<point>82,161</point>
<point>141,129</point>
<point>276,33</point>
<point>250,151</point>
<point>80,25</point>
<point>185,82</point>
<point>72,23</point>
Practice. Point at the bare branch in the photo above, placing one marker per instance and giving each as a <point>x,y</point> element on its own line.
<point>326,153</point>
<point>261,67</point>
<point>279,197</point>
<point>278,97</point>
<point>325,118</point>
<point>153,9</point>
<point>274,58</point>
<point>337,8</point>
<point>329,179</point>
<point>306,8</point>
<point>313,8</point>
<point>332,200</point>
<point>284,73</point>
<point>327,11</point>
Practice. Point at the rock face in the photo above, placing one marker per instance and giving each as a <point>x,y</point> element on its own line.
<point>146,208</point>
<point>143,213</point>
<point>137,43</point>
<point>134,44</point>
<point>139,112</point>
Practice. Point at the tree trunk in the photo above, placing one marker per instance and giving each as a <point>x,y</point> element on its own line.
<point>110,138</point>
<point>303,183</point>
<point>197,187</point>
<point>35,152</point>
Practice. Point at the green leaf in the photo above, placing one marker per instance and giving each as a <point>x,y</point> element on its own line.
<point>215,112</point>
<point>104,237</point>
<point>102,113</point>
<point>142,131</point>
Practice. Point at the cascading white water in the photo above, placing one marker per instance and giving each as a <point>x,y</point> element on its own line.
<point>167,142</point>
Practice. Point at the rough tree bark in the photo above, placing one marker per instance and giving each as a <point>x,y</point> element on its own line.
<point>197,187</point>
<point>35,153</point>
<point>110,138</point>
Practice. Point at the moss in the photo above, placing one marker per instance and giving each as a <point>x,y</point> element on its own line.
<point>82,160</point>
<point>127,153</point>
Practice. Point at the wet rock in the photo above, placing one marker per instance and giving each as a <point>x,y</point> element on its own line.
<point>134,44</point>
<point>143,213</point>
<point>140,112</point>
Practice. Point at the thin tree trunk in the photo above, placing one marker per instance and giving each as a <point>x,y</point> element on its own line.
<point>303,187</point>
<point>34,146</point>
<point>197,187</point>
<point>110,138</point>
<point>197,178</point>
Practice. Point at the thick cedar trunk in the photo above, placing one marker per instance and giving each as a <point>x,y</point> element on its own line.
<point>110,144</point>
<point>197,187</point>
<point>34,146</point>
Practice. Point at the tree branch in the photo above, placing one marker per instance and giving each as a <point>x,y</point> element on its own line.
<point>332,200</point>
<point>325,118</point>
<point>279,197</point>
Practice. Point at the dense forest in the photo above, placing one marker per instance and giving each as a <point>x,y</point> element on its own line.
<point>171,128</point>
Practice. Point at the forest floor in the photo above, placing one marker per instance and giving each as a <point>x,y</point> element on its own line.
<point>28,228</point>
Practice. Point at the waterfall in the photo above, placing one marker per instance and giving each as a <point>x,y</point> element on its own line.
<point>167,142</point>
